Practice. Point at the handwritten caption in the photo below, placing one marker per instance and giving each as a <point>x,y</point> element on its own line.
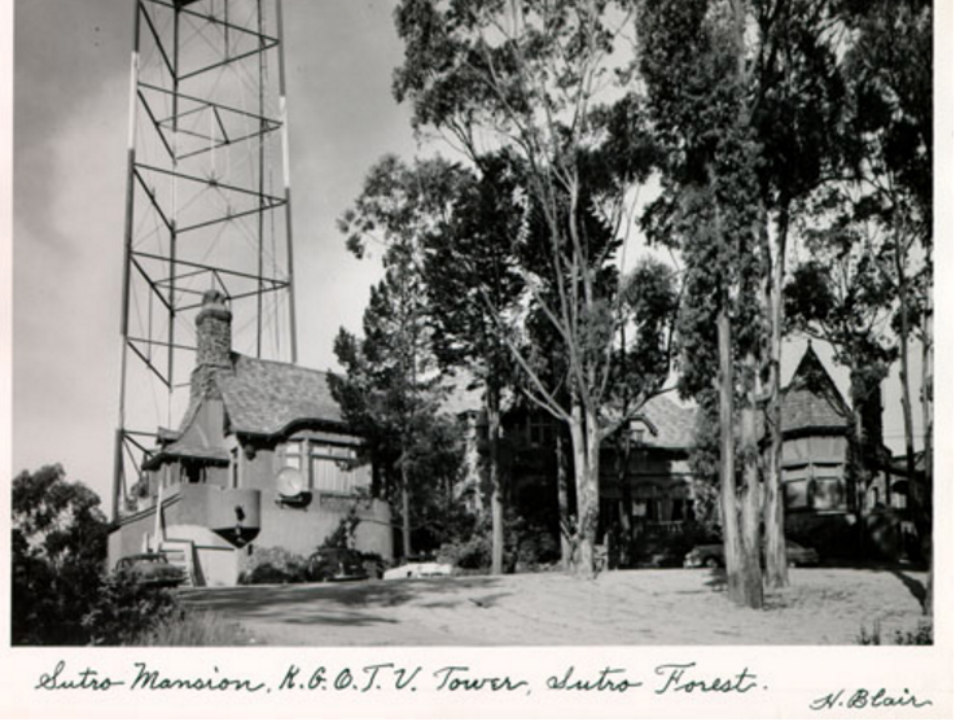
<point>663,679</point>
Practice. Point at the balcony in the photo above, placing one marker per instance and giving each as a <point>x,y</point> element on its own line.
<point>232,513</point>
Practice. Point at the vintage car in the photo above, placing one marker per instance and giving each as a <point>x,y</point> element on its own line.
<point>420,566</point>
<point>152,569</point>
<point>335,564</point>
<point>712,556</point>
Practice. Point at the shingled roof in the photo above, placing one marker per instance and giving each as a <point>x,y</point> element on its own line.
<point>812,401</point>
<point>672,426</point>
<point>264,397</point>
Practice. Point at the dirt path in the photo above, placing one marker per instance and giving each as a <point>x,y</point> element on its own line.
<point>639,607</point>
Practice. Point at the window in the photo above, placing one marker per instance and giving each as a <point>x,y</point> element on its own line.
<point>653,510</point>
<point>678,511</point>
<point>192,472</point>
<point>795,494</point>
<point>333,469</point>
<point>538,430</point>
<point>826,494</point>
<point>292,454</point>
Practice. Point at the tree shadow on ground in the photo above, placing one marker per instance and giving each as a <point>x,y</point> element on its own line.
<point>916,587</point>
<point>280,601</point>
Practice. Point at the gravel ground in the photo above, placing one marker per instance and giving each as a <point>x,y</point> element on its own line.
<point>636,607</point>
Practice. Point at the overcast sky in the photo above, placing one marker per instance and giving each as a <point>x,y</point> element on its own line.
<point>71,75</point>
<point>71,82</point>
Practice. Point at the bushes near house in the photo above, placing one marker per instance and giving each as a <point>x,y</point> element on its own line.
<point>273,565</point>
<point>528,547</point>
<point>125,609</point>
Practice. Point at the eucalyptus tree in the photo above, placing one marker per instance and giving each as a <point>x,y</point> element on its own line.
<point>693,57</point>
<point>889,68</point>
<point>536,77</point>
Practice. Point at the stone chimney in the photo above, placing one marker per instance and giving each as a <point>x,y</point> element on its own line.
<point>213,344</point>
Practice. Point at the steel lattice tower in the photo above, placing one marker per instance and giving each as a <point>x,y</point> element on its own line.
<point>207,204</point>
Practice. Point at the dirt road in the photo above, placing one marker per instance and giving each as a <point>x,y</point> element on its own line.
<point>637,607</point>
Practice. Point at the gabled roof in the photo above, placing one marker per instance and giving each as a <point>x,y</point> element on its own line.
<point>264,397</point>
<point>672,426</point>
<point>812,401</point>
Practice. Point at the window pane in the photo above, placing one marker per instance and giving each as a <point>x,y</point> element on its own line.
<point>795,494</point>
<point>291,454</point>
<point>828,494</point>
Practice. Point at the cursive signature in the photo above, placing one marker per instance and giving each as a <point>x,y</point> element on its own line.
<point>863,698</point>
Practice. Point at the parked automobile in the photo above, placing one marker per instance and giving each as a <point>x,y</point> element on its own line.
<point>335,564</point>
<point>711,556</point>
<point>419,567</point>
<point>797,555</point>
<point>152,569</point>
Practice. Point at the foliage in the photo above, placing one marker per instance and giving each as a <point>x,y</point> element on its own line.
<point>543,82</point>
<point>393,388</point>
<point>190,628</point>
<point>527,546</point>
<point>59,551</point>
<point>344,535</point>
<point>61,595</point>
<point>126,609</point>
<point>273,565</point>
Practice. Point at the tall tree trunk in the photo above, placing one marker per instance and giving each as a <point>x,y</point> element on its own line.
<point>913,494</point>
<point>626,495</point>
<point>733,552</point>
<point>752,497</point>
<point>405,506</point>
<point>496,495</point>
<point>775,539</point>
<point>563,504</point>
<point>858,472</point>
<point>586,527</point>
<point>588,496</point>
<point>926,402</point>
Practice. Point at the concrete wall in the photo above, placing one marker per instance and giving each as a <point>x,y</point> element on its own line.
<point>301,529</point>
<point>302,526</point>
<point>220,508</point>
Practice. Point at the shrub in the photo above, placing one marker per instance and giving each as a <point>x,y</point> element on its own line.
<point>126,608</point>
<point>526,547</point>
<point>374,564</point>
<point>344,535</point>
<point>470,554</point>
<point>273,565</point>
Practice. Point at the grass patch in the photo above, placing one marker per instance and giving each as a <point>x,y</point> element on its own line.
<point>195,629</point>
<point>923,635</point>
